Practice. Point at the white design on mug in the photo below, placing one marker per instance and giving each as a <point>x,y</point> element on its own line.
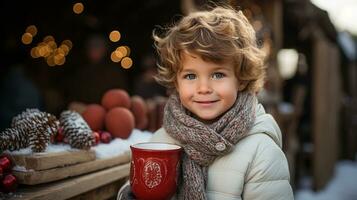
<point>132,170</point>
<point>152,174</point>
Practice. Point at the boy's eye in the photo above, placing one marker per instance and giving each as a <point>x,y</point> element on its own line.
<point>190,76</point>
<point>218,75</point>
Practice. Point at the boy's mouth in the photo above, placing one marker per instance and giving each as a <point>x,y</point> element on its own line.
<point>206,102</point>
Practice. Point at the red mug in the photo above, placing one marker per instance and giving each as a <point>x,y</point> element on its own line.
<point>154,170</point>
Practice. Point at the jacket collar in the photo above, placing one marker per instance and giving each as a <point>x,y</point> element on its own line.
<point>265,124</point>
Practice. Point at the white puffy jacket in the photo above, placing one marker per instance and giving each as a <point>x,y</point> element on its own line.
<point>257,168</point>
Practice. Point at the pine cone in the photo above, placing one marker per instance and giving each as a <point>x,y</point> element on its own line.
<point>13,139</point>
<point>46,119</point>
<point>38,138</point>
<point>28,113</point>
<point>30,128</point>
<point>76,130</point>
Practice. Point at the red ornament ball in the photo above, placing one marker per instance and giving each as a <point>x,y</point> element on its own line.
<point>120,122</point>
<point>9,183</point>
<point>96,136</point>
<point>140,112</point>
<point>5,163</point>
<point>60,135</point>
<point>116,98</point>
<point>105,137</point>
<point>94,115</point>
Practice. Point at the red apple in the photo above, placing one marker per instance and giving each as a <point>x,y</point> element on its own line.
<point>116,98</point>
<point>105,137</point>
<point>94,115</point>
<point>120,122</point>
<point>140,112</point>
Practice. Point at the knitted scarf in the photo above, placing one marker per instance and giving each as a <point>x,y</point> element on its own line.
<point>203,143</point>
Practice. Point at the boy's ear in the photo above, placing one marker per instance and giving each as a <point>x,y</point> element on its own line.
<point>242,85</point>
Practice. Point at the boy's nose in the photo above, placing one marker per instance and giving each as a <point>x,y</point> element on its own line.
<point>204,87</point>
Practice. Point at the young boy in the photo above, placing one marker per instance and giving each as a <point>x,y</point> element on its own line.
<point>232,147</point>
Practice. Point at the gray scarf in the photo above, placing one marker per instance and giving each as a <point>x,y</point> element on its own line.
<point>204,143</point>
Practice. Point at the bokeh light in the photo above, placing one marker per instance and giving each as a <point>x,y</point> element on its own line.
<point>78,8</point>
<point>127,50</point>
<point>114,57</point>
<point>64,48</point>
<point>26,38</point>
<point>126,62</point>
<point>32,29</point>
<point>68,43</point>
<point>50,61</point>
<point>59,58</point>
<point>48,38</point>
<point>114,36</point>
<point>122,50</point>
<point>52,54</point>
<point>119,54</point>
<point>34,52</point>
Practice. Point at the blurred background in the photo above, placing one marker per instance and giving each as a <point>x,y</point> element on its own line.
<point>58,54</point>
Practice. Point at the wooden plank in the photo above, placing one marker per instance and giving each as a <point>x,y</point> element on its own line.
<point>72,187</point>
<point>109,191</point>
<point>45,176</point>
<point>326,108</point>
<point>42,161</point>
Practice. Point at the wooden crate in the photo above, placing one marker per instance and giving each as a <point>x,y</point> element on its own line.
<point>79,187</point>
<point>63,169</point>
<point>42,161</point>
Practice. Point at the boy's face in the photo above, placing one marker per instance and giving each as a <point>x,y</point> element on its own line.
<point>206,89</point>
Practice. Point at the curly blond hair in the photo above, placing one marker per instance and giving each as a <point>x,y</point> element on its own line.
<point>219,35</point>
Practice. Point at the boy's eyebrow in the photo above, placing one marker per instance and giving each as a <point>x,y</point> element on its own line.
<point>221,68</point>
<point>186,70</point>
<point>215,69</point>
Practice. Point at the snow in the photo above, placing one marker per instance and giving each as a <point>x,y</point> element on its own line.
<point>342,186</point>
<point>119,146</point>
<point>22,169</point>
<point>51,148</point>
<point>116,147</point>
